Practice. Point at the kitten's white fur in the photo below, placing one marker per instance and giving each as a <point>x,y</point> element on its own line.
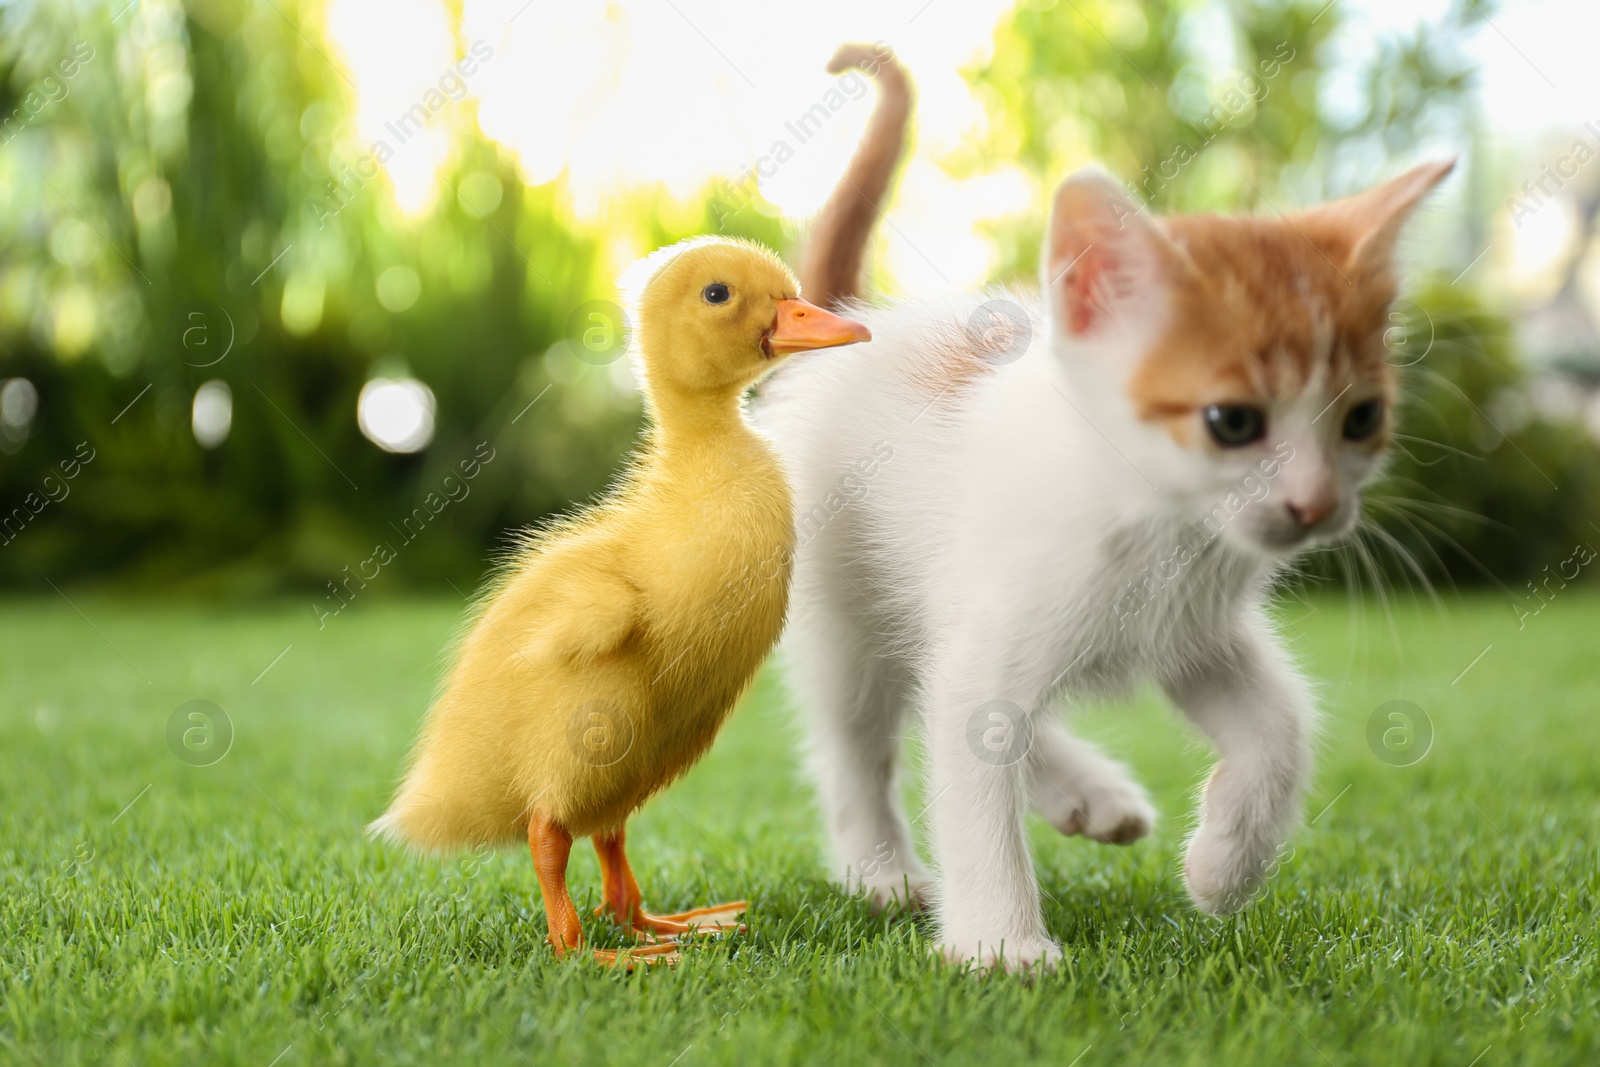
<point>989,558</point>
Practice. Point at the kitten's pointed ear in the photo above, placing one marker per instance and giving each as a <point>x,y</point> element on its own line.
<point>1104,258</point>
<point>1366,227</point>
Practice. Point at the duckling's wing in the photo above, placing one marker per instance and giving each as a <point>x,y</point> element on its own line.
<point>585,616</point>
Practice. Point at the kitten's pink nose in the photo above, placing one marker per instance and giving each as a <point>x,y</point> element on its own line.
<point>1311,512</point>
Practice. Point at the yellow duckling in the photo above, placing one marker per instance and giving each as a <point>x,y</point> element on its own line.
<point>611,651</point>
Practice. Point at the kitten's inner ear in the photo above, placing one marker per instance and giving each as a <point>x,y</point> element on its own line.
<point>1368,224</point>
<point>1104,258</point>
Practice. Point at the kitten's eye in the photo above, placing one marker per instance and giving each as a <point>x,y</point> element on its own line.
<point>1232,425</point>
<point>715,293</point>
<point>1363,420</point>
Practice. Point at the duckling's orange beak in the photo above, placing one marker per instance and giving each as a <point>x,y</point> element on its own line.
<point>800,326</point>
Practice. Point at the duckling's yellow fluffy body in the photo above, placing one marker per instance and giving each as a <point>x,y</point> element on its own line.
<point>604,664</point>
<point>612,650</point>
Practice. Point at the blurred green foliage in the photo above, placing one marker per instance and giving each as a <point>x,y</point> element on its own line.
<point>1480,489</point>
<point>170,199</point>
<point>1209,107</point>
<point>174,203</point>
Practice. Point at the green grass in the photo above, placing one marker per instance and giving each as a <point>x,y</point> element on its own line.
<point>156,912</point>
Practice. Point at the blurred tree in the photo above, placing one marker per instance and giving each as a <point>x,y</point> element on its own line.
<point>169,220</point>
<point>1205,106</point>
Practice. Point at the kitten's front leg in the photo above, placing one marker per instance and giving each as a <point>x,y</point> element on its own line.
<point>1258,713</point>
<point>1078,790</point>
<point>987,895</point>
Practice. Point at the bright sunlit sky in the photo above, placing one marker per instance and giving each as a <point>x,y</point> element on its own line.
<point>635,92</point>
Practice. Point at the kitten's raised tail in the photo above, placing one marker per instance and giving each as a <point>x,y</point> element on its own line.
<point>830,270</point>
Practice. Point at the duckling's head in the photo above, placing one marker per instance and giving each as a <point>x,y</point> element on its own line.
<point>715,314</point>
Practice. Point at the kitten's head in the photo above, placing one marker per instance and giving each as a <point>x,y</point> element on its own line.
<point>1239,363</point>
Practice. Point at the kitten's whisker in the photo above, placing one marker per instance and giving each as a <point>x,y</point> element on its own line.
<point>1468,556</point>
<point>1422,539</point>
<point>1410,401</point>
<point>1441,445</point>
<point>1372,567</point>
<point>1409,561</point>
<point>1356,628</point>
<point>1447,510</point>
<point>1412,456</point>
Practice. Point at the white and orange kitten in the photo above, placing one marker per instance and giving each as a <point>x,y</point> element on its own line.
<point>1052,499</point>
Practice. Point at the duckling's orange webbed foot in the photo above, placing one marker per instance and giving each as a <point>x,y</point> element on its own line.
<point>624,903</point>
<point>551,846</point>
<point>661,954</point>
<point>712,919</point>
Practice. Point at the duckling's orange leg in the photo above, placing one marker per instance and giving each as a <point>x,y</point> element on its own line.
<point>551,846</point>
<point>619,893</point>
<point>626,905</point>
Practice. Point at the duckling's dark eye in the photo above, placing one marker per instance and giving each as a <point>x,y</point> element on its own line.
<point>715,293</point>
<point>1232,425</point>
<point>1363,420</point>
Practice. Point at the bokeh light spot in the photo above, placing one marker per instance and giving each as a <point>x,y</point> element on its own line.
<point>398,288</point>
<point>211,416</point>
<point>396,414</point>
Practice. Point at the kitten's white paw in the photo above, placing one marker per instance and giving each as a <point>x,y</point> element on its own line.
<point>1003,954</point>
<point>1112,810</point>
<point>1222,873</point>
